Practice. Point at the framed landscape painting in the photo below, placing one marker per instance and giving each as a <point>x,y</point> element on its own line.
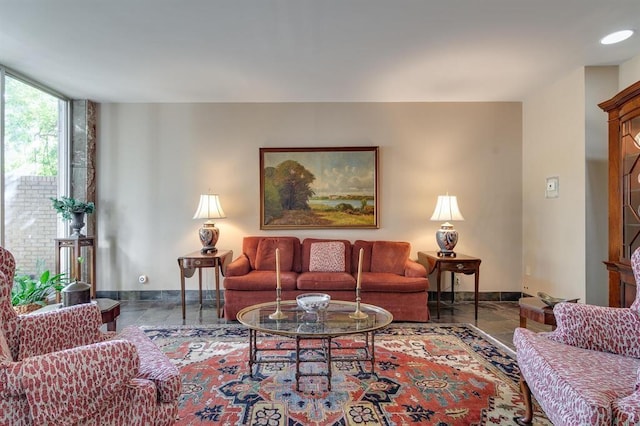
<point>318,188</point>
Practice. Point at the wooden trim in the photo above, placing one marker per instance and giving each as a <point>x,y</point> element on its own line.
<point>622,107</point>
<point>621,98</point>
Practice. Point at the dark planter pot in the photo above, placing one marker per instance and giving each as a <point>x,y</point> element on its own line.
<point>77,223</point>
<point>76,293</point>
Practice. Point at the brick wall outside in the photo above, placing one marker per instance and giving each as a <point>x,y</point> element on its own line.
<point>31,222</point>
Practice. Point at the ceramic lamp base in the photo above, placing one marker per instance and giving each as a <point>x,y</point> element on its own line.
<point>209,235</point>
<point>447,238</point>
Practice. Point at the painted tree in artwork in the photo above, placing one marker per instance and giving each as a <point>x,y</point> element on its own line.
<point>293,182</point>
<point>272,207</point>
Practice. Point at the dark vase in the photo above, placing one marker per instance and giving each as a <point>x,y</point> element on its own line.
<point>77,223</point>
<point>76,293</point>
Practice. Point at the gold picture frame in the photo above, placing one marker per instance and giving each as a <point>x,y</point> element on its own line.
<point>319,188</point>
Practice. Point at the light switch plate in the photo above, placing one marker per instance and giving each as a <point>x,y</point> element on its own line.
<point>553,187</point>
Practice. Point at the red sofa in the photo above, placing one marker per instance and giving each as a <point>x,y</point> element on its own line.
<point>389,278</point>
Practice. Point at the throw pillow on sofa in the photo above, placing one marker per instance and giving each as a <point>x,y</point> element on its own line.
<point>389,256</point>
<point>327,256</point>
<point>266,254</point>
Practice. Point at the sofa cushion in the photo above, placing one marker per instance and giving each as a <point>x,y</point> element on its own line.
<point>250,250</point>
<point>392,283</point>
<point>326,281</point>
<point>327,256</point>
<point>261,280</point>
<point>266,254</point>
<point>366,247</point>
<point>389,256</point>
<point>5,352</point>
<point>307,243</point>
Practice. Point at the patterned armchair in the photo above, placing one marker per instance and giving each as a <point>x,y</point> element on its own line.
<point>59,368</point>
<point>587,371</point>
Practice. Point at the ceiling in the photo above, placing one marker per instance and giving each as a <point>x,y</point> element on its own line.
<point>309,50</point>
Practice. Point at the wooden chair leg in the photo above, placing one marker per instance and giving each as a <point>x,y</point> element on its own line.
<point>527,418</point>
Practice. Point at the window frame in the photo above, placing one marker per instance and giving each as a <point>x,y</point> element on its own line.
<point>65,114</point>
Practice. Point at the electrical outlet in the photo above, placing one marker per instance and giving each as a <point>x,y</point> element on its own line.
<point>457,281</point>
<point>552,189</point>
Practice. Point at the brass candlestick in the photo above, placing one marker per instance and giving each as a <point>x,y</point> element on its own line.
<point>358,314</point>
<point>278,314</point>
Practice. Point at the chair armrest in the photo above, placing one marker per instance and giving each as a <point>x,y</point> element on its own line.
<point>154,365</point>
<point>414,269</point>
<point>240,266</point>
<point>599,328</point>
<point>57,330</point>
<point>74,383</point>
<point>627,409</point>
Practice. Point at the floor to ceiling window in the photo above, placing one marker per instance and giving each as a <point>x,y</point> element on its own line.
<point>34,139</point>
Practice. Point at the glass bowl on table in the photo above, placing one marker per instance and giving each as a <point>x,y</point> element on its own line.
<point>313,304</point>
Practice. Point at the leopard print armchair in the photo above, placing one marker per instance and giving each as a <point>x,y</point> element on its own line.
<point>59,368</point>
<point>586,371</point>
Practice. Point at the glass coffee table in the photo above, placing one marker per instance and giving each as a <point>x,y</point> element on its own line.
<point>317,330</point>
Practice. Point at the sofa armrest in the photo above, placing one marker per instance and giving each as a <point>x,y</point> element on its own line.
<point>61,329</point>
<point>239,266</point>
<point>599,328</point>
<point>71,384</point>
<point>414,269</point>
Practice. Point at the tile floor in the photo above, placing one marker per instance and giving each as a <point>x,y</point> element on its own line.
<point>498,319</point>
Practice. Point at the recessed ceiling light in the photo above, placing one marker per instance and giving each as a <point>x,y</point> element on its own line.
<point>616,37</point>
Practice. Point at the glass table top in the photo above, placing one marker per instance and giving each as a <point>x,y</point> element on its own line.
<point>334,321</point>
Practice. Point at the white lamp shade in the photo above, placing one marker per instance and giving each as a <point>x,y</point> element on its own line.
<point>447,209</point>
<point>209,207</point>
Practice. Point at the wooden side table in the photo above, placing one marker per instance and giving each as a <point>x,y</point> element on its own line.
<point>197,260</point>
<point>76,266</point>
<point>536,310</point>
<point>460,264</point>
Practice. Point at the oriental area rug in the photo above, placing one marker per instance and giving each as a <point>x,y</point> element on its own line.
<point>429,374</point>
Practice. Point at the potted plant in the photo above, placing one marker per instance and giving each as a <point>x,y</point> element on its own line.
<point>30,293</point>
<point>73,210</point>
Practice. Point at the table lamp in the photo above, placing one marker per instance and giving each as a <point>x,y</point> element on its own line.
<point>447,237</point>
<point>209,208</point>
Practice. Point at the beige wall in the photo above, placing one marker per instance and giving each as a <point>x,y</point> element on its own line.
<point>565,135</point>
<point>155,160</point>
<point>600,84</point>
<point>629,72</point>
<point>554,228</point>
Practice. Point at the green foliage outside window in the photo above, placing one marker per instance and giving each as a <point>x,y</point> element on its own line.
<point>31,130</point>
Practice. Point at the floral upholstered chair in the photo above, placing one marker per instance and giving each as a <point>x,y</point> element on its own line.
<point>59,368</point>
<point>585,372</point>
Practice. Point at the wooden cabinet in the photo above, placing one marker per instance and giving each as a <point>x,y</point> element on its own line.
<point>624,192</point>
